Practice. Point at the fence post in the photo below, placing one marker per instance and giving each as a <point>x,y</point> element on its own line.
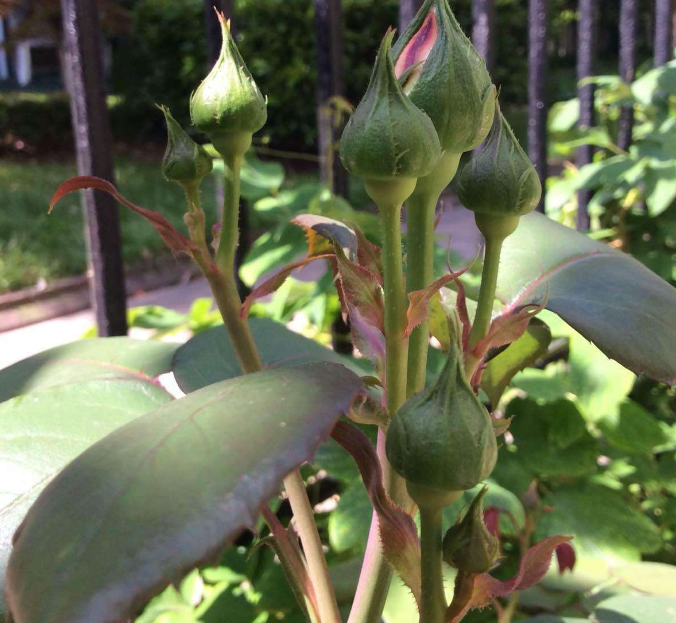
<point>407,11</point>
<point>537,106</point>
<point>483,36</point>
<point>93,142</point>
<point>664,45</point>
<point>586,36</point>
<point>628,22</point>
<point>328,32</point>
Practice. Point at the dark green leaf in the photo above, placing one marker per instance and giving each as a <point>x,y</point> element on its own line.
<point>517,356</point>
<point>96,358</point>
<point>636,609</point>
<point>552,440</point>
<point>167,492</point>
<point>632,429</point>
<point>606,295</point>
<point>349,523</point>
<point>42,431</point>
<point>602,520</point>
<point>209,357</point>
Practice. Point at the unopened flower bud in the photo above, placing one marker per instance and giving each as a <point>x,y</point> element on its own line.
<point>387,137</point>
<point>184,161</point>
<point>446,77</point>
<point>442,439</point>
<point>228,105</point>
<point>501,180</point>
<point>468,545</point>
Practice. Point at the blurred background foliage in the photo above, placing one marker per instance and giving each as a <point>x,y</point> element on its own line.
<point>159,53</point>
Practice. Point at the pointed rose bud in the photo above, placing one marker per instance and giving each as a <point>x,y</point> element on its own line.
<point>501,181</point>
<point>468,545</point>
<point>387,137</point>
<point>228,106</point>
<point>184,161</point>
<point>446,77</point>
<point>442,439</point>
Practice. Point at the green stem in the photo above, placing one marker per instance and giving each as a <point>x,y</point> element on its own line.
<point>433,606</point>
<point>495,229</point>
<point>376,573</point>
<point>420,214</point>
<point>225,257</point>
<point>489,281</point>
<point>312,545</point>
<point>395,308</point>
<point>224,289</point>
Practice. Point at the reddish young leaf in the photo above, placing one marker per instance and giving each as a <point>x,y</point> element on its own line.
<point>328,229</point>
<point>492,520</point>
<point>534,565</point>
<point>285,544</point>
<point>565,557</point>
<point>398,533</point>
<point>418,301</point>
<point>463,593</point>
<point>361,289</point>
<point>174,239</point>
<point>461,307</point>
<point>368,339</point>
<point>369,255</point>
<point>274,282</point>
<point>507,328</point>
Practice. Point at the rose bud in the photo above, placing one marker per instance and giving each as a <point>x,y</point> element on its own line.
<point>388,138</point>
<point>468,545</point>
<point>228,105</point>
<point>185,162</point>
<point>500,184</point>
<point>446,77</point>
<point>441,440</point>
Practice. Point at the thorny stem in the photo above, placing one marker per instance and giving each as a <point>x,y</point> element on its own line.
<point>395,309</point>
<point>420,215</point>
<point>489,281</point>
<point>433,605</point>
<point>225,257</point>
<point>376,574</point>
<point>223,286</point>
<point>495,229</point>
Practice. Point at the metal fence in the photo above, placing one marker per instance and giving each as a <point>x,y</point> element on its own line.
<point>94,142</point>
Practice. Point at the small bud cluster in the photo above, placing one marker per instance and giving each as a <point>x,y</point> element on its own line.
<point>228,107</point>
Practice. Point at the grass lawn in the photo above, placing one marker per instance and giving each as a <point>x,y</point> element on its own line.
<point>35,245</point>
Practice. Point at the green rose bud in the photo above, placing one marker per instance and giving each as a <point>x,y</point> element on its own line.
<point>388,138</point>
<point>184,161</point>
<point>445,76</point>
<point>501,180</point>
<point>441,440</point>
<point>468,545</point>
<point>228,105</point>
